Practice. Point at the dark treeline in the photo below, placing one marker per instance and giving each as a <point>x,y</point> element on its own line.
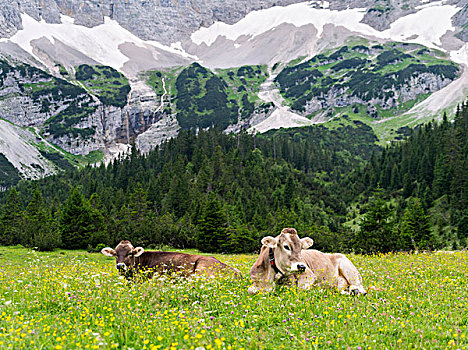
<point>222,193</point>
<point>213,191</point>
<point>423,189</point>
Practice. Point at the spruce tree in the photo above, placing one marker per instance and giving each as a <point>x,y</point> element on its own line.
<point>99,235</point>
<point>415,230</point>
<point>212,232</point>
<point>10,219</point>
<point>289,189</point>
<point>76,221</point>
<point>38,229</point>
<point>376,229</point>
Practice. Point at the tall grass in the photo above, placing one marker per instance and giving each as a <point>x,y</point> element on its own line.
<point>70,300</point>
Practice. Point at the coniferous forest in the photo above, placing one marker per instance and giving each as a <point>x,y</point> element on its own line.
<point>223,192</point>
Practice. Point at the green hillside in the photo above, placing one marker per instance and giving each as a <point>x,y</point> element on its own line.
<point>374,76</point>
<point>64,104</point>
<point>202,98</point>
<point>109,85</point>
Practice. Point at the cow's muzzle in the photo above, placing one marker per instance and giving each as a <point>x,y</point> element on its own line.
<point>121,267</point>
<point>298,267</point>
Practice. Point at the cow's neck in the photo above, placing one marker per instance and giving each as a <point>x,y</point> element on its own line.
<point>271,258</point>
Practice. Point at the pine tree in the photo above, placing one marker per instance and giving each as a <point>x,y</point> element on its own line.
<point>10,219</point>
<point>135,224</point>
<point>415,230</point>
<point>99,236</point>
<point>288,196</point>
<point>178,196</point>
<point>138,204</point>
<point>212,232</point>
<point>376,230</point>
<point>38,229</point>
<point>76,222</point>
<point>407,185</point>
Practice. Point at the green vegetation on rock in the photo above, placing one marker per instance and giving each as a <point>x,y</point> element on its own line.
<point>379,75</point>
<point>66,104</point>
<point>202,99</point>
<point>243,86</point>
<point>109,85</point>
<point>59,160</point>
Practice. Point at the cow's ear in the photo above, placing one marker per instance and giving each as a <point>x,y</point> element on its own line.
<point>307,242</point>
<point>269,241</point>
<point>108,251</point>
<point>138,251</point>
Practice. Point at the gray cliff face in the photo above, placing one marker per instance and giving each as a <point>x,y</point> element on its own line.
<point>30,97</point>
<point>25,98</point>
<point>418,85</point>
<point>168,21</point>
<point>111,124</point>
<point>164,129</point>
<point>461,20</point>
<point>10,18</point>
<point>260,114</point>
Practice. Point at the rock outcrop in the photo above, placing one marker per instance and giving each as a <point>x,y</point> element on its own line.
<point>417,85</point>
<point>172,21</point>
<point>67,114</point>
<point>461,20</point>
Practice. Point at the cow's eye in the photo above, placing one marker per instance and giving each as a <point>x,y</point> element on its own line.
<point>286,247</point>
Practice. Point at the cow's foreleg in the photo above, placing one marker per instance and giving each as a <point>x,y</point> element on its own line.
<point>352,276</point>
<point>306,280</point>
<point>341,283</point>
<point>265,283</point>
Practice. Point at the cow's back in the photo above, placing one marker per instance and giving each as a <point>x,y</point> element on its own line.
<point>167,261</point>
<point>208,264</point>
<point>320,264</point>
<point>180,262</point>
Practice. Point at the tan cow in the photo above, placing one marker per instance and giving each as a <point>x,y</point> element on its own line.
<point>130,260</point>
<point>285,259</point>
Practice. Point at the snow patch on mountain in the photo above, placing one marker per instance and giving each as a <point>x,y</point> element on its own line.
<point>460,56</point>
<point>425,27</point>
<point>101,43</point>
<point>258,22</point>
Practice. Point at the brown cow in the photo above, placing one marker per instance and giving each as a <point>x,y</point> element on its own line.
<point>286,259</point>
<point>130,260</point>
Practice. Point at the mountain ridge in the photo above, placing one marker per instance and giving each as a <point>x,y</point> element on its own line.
<point>112,111</point>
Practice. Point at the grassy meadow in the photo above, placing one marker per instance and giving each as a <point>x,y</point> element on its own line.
<point>70,300</point>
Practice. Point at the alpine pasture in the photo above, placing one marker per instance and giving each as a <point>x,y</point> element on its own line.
<point>74,300</point>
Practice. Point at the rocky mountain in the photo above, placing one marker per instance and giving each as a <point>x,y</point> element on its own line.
<point>80,81</point>
<point>172,21</point>
<point>384,77</point>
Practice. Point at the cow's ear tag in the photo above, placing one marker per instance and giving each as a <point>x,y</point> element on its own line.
<point>138,251</point>
<point>108,251</point>
<point>307,242</point>
<point>269,241</point>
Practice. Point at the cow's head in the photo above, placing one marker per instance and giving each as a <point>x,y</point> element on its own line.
<point>287,248</point>
<point>124,254</point>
